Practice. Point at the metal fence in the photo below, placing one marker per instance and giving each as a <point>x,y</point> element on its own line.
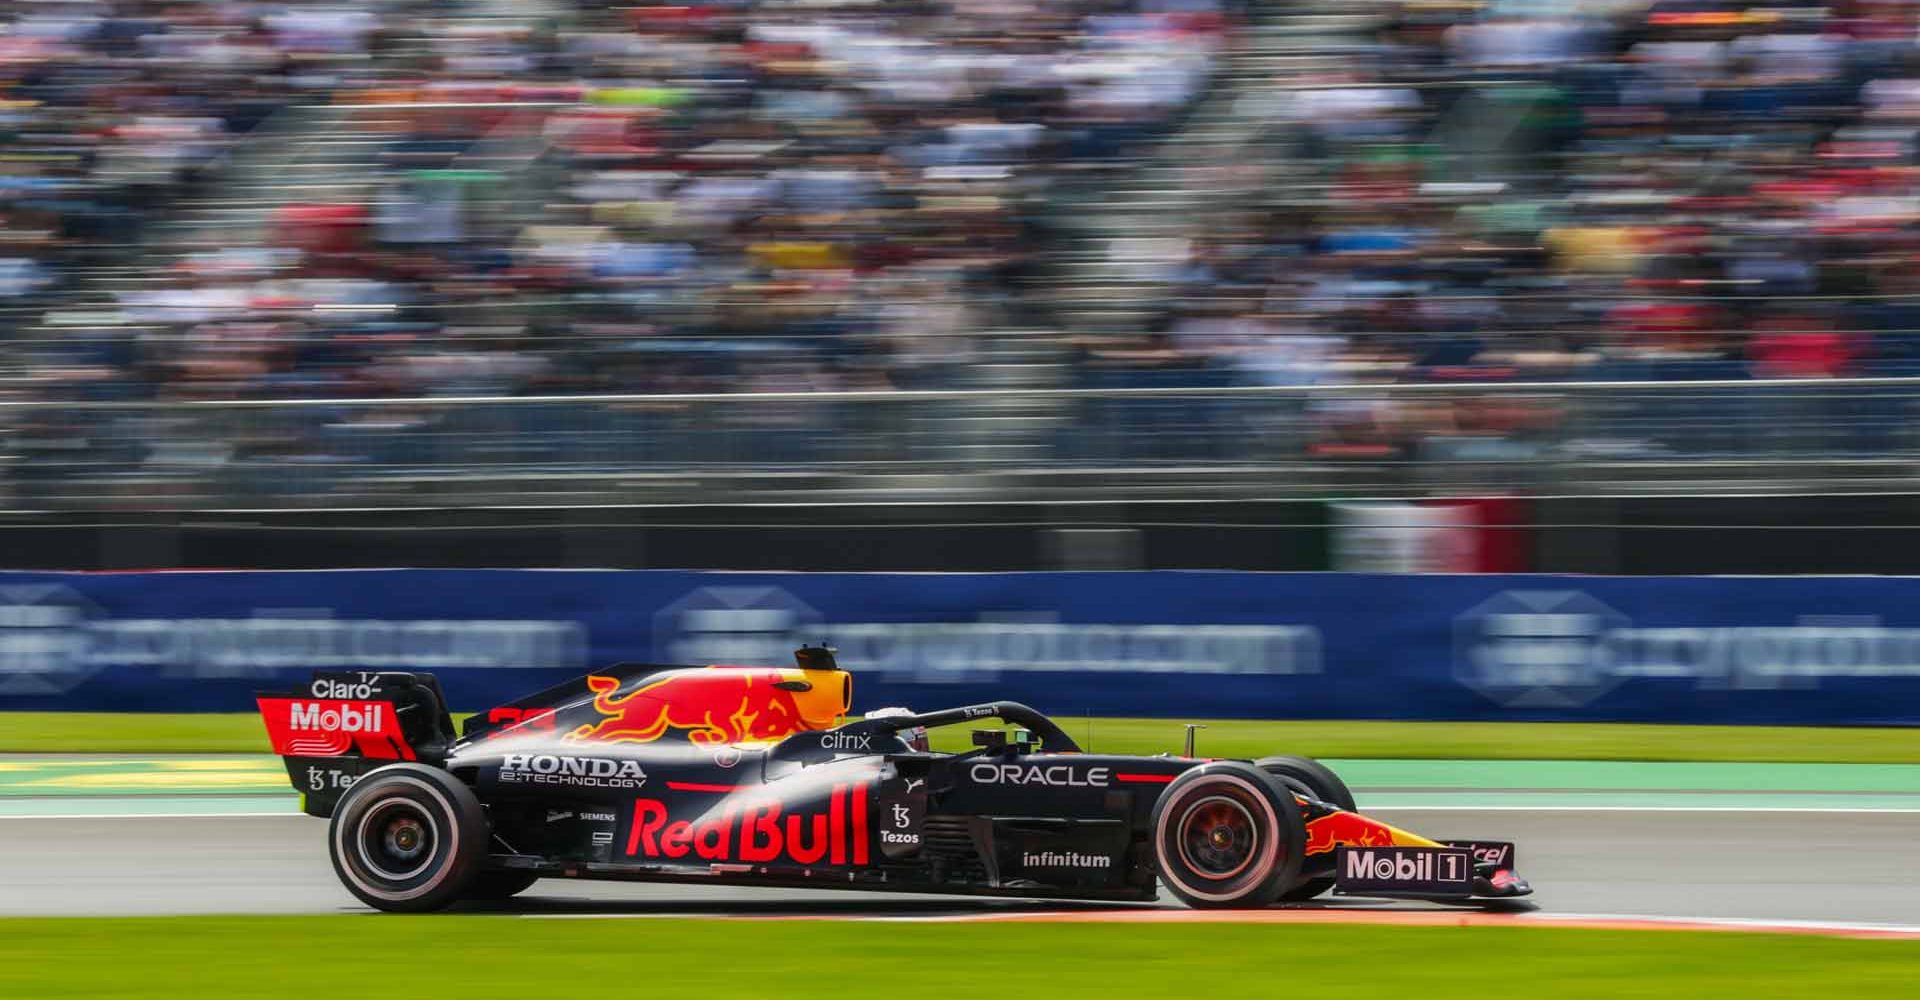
<point>1350,439</point>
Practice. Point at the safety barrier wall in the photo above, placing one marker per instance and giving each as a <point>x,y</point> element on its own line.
<point>1838,650</point>
<point>1626,535</point>
<point>1118,438</point>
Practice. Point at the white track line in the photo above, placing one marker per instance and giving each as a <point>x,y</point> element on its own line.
<point>1386,919</point>
<point>1757,923</point>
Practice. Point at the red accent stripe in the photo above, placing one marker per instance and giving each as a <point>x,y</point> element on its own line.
<point>860,823</point>
<point>694,786</point>
<point>1144,779</point>
<point>838,813</point>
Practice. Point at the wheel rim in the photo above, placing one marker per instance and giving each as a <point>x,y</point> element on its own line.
<point>396,839</point>
<point>1218,837</point>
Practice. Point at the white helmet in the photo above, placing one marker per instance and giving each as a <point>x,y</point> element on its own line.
<point>916,736</point>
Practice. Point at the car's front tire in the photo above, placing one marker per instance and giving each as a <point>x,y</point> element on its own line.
<point>1227,834</point>
<point>1318,780</point>
<point>408,838</point>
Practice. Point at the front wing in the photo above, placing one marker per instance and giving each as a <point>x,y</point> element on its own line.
<point>1367,857</point>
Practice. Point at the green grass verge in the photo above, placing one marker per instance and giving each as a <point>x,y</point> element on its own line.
<point>234,958</point>
<point>65,732</point>
<point>132,732</point>
<point>1506,741</point>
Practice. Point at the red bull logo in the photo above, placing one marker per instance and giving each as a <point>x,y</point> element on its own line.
<point>757,832</point>
<point>1345,829</point>
<point>716,706</point>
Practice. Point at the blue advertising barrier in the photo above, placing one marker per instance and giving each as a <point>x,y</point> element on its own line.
<point>1194,644</point>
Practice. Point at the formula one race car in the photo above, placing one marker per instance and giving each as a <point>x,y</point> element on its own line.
<point>750,776</point>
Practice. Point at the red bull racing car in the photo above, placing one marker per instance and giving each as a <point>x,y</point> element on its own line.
<point>754,776</point>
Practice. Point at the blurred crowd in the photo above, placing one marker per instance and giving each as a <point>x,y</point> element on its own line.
<point>566,198</point>
<point>113,109</point>
<point>1530,191</point>
<point>559,198</point>
<point>1590,189</point>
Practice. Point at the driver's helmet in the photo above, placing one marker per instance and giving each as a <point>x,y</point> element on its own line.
<point>916,736</point>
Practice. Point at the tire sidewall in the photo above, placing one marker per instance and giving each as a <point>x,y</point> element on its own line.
<point>1275,863</point>
<point>1318,780</point>
<point>447,807</point>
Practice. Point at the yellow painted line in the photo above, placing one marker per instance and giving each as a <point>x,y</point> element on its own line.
<point>256,766</point>
<point>157,779</point>
<point>54,765</point>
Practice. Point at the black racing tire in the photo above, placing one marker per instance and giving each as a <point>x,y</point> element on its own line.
<point>500,884</point>
<point>1318,780</point>
<point>1227,834</point>
<point>408,838</point>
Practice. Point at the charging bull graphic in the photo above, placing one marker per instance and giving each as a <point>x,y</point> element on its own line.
<point>714,706</point>
<point>1345,829</point>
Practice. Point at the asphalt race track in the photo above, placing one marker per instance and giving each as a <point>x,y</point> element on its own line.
<point>1851,867</point>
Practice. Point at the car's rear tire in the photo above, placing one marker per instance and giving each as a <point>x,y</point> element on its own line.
<point>501,884</point>
<point>408,838</point>
<point>1318,780</point>
<point>1227,834</point>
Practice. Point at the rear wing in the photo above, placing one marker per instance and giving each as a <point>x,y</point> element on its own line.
<point>341,725</point>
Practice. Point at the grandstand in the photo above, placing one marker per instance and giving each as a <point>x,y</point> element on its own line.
<point>312,255</point>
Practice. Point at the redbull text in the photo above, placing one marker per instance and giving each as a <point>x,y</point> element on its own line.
<point>756,832</point>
